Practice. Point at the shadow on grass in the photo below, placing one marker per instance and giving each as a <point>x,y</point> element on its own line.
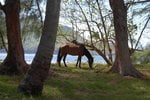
<point>80,84</point>
<point>87,84</point>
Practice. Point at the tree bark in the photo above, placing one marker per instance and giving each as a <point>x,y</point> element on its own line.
<point>14,62</point>
<point>115,68</point>
<point>123,61</point>
<point>33,82</point>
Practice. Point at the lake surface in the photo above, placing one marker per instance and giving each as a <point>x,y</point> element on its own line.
<point>69,58</point>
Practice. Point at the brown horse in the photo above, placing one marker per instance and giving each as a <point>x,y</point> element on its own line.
<point>74,50</point>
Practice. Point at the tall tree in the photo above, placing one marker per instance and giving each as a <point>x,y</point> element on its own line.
<point>34,79</point>
<point>122,62</point>
<point>90,14</point>
<point>14,63</point>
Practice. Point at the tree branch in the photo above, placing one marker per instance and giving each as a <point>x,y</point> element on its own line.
<point>1,6</point>
<point>142,32</point>
<point>137,2</point>
<point>41,18</point>
<point>87,22</point>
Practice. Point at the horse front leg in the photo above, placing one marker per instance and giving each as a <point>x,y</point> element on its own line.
<point>77,62</point>
<point>79,59</point>
<point>64,59</point>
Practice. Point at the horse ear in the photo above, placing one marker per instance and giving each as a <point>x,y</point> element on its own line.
<point>89,48</point>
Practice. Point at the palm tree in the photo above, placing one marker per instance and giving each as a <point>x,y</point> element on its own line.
<point>35,77</point>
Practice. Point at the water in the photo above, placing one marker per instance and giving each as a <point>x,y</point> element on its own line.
<point>69,58</point>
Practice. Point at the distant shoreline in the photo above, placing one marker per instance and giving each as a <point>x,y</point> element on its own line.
<point>69,59</point>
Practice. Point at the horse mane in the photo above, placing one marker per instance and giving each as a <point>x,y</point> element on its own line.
<point>87,53</point>
<point>76,42</point>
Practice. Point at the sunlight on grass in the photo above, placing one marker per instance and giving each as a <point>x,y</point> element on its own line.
<point>52,92</point>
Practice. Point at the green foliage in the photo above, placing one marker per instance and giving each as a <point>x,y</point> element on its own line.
<point>2,25</point>
<point>95,35</point>
<point>2,31</point>
<point>142,57</point>
<point>80,84</point>
<point>30,19</point>
<point>31,25</point>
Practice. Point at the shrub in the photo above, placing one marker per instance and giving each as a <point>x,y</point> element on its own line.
<point>141,57</point>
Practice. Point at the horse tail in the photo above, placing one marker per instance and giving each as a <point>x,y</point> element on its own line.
<point>59,54</point>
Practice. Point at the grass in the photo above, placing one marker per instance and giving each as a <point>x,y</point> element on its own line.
<point>82,84</point>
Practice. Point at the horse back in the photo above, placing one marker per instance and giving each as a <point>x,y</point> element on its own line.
<point>72,49</point>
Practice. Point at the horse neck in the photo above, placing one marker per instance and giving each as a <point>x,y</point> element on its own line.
<point>87,54</point>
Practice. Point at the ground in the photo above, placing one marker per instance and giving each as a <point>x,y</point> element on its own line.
<point>82,84</point>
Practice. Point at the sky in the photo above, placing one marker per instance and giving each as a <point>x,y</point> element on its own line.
<point>2,2</point>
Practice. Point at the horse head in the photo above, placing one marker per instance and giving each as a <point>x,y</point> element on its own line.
<point>90,62</point>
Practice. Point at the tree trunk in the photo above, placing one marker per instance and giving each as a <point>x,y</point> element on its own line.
<point>14,62</point>
<point>123,61</point>
<point>33,82</point>
<point>115,68</point>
